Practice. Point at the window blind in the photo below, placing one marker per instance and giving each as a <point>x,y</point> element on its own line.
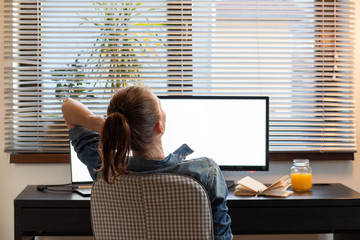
<point>297,52</point>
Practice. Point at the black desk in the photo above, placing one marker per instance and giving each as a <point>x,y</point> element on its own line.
<point>332,208</point>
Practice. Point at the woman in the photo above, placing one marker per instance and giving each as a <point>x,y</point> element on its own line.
<point>136,122</point>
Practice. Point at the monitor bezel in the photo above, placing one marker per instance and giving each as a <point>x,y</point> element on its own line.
<point>235,167</point>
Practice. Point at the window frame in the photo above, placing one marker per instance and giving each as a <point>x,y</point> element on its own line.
<point>274,156</point>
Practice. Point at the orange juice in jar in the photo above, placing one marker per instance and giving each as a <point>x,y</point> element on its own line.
<point>301,175</point>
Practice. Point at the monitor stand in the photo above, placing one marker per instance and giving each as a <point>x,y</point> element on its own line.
<point>230,183</point>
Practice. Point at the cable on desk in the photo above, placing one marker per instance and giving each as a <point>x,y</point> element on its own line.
<point>55,188</point>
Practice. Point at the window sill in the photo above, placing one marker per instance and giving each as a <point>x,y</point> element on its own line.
<point>40,158</point>
<point>273,156</point>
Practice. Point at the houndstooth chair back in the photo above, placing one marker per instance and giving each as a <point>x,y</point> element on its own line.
<point>151,207</point>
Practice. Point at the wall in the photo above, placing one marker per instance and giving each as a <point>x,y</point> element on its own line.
<point>14,177</point>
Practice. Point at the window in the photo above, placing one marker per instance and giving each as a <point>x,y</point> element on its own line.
<point>299,53</point>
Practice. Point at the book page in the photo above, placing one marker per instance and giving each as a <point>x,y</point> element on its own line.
<point>278,193</point>
<point>251,183</point>
<point>244,191</point>
<point>281,185</point>
<point>241,188</point>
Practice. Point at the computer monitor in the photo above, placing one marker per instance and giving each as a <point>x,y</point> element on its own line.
<point>233,131</point>
<point>78,171</point>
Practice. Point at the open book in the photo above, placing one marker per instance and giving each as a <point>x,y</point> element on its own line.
<point>248,186</point>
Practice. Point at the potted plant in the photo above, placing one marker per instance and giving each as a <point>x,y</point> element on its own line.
<point>113,61</point>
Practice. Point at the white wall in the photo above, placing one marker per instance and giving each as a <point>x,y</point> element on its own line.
<point>14,177</point>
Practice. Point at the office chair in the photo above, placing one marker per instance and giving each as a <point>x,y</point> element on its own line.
<point>151,206</point>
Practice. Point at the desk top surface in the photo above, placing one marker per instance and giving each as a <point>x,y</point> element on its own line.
<point>334,194</point>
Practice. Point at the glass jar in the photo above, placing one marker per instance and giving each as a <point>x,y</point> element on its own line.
<point>301,175</point>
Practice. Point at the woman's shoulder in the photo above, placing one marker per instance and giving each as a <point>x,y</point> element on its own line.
<point>201,164</point>
<point>202,160</point>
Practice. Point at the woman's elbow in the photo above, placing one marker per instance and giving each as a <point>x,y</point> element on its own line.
<point>66,104</point>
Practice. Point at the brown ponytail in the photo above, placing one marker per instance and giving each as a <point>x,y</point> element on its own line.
<point>115,146</point>
<point>131,116</point>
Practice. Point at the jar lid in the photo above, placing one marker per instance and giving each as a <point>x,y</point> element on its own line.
<point>301,162</point>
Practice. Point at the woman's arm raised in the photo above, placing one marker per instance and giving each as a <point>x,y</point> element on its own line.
<point>77,114</point>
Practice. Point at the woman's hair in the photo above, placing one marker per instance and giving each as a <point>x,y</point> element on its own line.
<point>131,116</point>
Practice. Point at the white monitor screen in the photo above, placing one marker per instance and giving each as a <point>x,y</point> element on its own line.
<point>79,171</point>
<point>233,131</point>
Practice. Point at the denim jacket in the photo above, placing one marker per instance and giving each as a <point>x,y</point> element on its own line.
<point>205,170</point>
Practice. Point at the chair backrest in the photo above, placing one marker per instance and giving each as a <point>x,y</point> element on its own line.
<point>151,206</point>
